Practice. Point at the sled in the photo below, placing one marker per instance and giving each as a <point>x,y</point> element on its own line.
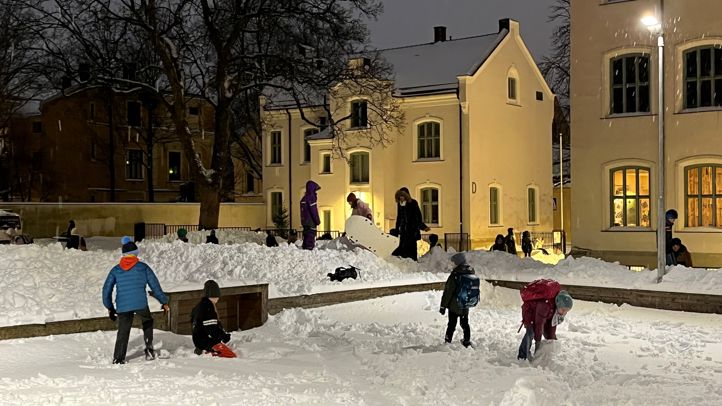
<point>363,232</point>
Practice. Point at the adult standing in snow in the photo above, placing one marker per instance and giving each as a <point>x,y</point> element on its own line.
<point>212,239</point>
<point>409,224</point>
<point>541,316</point>
<point>208,332</point>
<point>358,207</point>
<point>129,279</point>
<point>526,245</point>
<point>509,241</point>
<point>671,217</point>
<point>449,300</point>
<point>681,254</point>
<point>309,215</point>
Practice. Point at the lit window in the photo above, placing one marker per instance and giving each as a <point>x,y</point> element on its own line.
<point>429,140</point>
<point>630,205</point>
<point>703,195</point>
<point>630,84</point>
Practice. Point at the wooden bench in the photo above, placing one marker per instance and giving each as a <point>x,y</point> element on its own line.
<point>240,307</point>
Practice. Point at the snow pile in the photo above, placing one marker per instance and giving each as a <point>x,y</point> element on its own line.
<point>224,237</point>
<point>385,352</point>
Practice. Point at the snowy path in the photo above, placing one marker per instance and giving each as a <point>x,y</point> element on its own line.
<point>388,352</point>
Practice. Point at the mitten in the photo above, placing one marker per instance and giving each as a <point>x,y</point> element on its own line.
<point>112,315</point>
<point>442,310</point>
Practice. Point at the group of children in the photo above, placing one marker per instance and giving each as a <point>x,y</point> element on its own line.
<point>544,307</point>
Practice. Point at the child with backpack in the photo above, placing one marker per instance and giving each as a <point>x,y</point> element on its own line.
<point>544,305</point>
<point>461,293</point>
<point>208,333</point>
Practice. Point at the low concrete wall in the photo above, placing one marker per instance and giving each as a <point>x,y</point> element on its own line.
<point>646,258</point>
<point>114,219</point>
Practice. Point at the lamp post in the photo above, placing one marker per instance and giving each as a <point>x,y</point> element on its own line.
<point>655,27</point>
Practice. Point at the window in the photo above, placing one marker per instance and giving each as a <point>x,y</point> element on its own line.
<point>326,221</point>
<point>275,147</point>
<point>359,116</point>
<point>91,111</point>
<point>194,111</point>
<point>429,140</point>
<point>133,114</point>
<point>511,91</point>
<point>276,204</point>
<point>250,183</point>
<point>174,166</point>
<point>630,206</point>
<point>306,145</point>
<point>359,167</point>
<point>430,205</point>
<point>37,127</point>
<point>703,196</point>
<point>494,205</point>
<point>630,84</point>
<point>703,77</point>
<point>531,194</point>
<point>134,164</point>
<point>540,96</point>
<point>325,163</point>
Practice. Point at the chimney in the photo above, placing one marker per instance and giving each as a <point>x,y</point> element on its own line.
<point>439,33</point>
<point>509,24</point>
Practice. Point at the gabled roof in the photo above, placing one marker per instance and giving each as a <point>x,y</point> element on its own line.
<point>434,67</point>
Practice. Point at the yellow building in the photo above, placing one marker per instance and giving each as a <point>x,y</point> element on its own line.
<point>475,151</point>
<point>615,125</point>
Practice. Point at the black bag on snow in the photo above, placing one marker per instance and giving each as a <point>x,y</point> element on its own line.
<point>342,273</point>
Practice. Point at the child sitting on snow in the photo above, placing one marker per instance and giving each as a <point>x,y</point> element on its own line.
<point>208,333</point>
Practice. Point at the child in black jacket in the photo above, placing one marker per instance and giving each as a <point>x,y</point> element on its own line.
<point>208,333</point>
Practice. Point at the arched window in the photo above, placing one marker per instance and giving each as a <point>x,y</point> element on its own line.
<point>512,86</point>
<point>430,205</point>
<point>359,163</point>
<point>630,91</point>
<point>429,140</point>
<point>494,205</point>
<point>532,197</point>
<point>630,204</point>
<point>703,77</point>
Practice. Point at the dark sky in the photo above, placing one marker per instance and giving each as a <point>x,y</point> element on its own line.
<point>407,22</point>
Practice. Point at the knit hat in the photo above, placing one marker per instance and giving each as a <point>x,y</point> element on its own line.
<point>564,300</point>
<point>129,247</point>
<point>182,232</point>
<point>458,259</point>
<point>671,214</point>
<point>211,289</point>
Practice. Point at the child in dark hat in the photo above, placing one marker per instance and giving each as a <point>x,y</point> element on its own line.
<point>129,279</point>
<point>208,333</point>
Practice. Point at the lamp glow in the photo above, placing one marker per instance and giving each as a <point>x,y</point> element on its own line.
<point>650,21</point>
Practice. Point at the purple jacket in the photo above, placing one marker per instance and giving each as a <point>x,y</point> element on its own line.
<point>309,208</point>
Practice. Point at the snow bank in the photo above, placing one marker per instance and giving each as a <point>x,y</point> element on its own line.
<point>224,237</point>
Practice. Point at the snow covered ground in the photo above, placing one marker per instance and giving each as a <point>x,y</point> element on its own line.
<point>388,352</point>
<point>44,282</point>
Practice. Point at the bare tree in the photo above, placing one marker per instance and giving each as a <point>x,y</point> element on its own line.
<point>556,67</point>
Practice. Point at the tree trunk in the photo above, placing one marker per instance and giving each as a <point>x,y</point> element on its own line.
<point>210,205</point>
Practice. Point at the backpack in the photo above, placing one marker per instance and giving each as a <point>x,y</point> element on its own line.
<point>540,289</point>
<point>467,291</point>
<point>342,273</point>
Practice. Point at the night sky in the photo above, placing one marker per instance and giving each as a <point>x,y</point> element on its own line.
<point>407,22</point>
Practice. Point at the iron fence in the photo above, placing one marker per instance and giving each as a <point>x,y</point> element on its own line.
<point>554,241</point>
<point>458,241</point>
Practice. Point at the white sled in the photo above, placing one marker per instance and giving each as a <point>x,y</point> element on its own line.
<point>363,232</point>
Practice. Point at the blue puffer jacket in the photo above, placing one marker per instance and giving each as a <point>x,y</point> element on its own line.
<point>131,276</point>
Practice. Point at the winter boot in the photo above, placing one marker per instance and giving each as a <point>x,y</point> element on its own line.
<point>149,354</point>
<point>119,361</point>
<point>467,344</point>
<point>198,351</point>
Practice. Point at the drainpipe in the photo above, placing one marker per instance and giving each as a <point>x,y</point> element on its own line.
<point>290,174</point>
<point>461,172</point>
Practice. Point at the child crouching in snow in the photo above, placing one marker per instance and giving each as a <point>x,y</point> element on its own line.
<point>461,292</point>
<point>208,333</point>
<point>543,309</point>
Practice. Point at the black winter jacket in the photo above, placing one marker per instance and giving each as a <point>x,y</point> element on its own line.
<point>207,329</point>
<point>409,221</point>
<point>448,299</point>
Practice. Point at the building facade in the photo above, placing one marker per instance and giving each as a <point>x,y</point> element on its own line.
<point>615,125</point>
<point>92,145</point>
<point>475,151</point>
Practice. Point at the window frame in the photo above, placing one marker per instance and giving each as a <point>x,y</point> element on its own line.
<point>356,121</point>
<point>180,166</point>
<point>271,194</point>
<point>495,207</point>
<point>326,226</point>
<point>305,145</point>
<point>637,84</point>
<point>351,168</point>
<point>434,140</point>
<point>322,163</point>
<point>512,78</point>
<point>637,196</point>
<point>423,204</point>
<point>272,149</point>
<point>532,203</point>
<point>716,194</point>
<point>129,164</point>
<point>713,78</point>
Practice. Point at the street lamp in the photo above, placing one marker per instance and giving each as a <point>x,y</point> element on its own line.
<point>655,27</point>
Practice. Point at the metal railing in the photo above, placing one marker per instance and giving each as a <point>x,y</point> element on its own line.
<point>554,241</point>
<point>458,241</point>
